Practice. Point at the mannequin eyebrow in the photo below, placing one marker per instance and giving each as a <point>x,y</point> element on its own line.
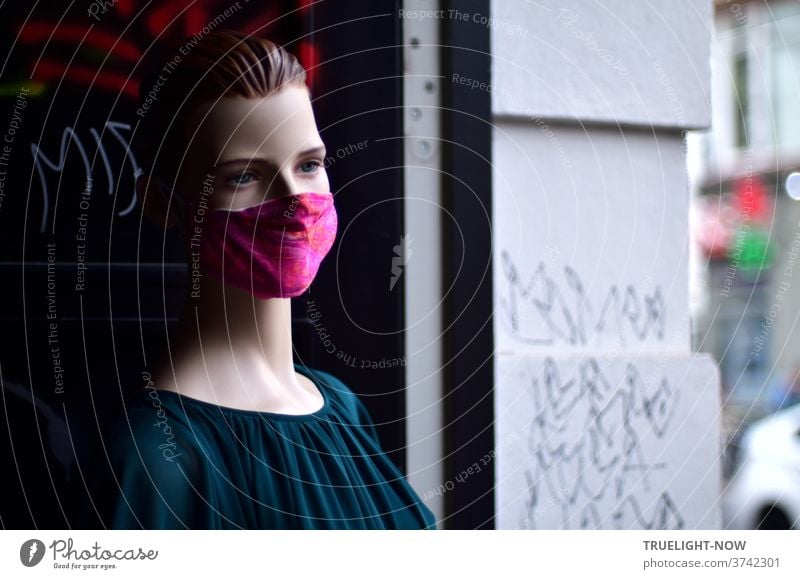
<point>318,149</point>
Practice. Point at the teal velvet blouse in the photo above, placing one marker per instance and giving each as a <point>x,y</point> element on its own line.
<point>184,463</point>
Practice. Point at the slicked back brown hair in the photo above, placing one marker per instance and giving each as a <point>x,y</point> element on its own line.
<point>223,63</point>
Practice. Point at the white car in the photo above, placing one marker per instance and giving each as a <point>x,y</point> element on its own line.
<point>764,491</point>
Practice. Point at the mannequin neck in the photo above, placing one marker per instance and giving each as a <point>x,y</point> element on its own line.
<point>226,331</point>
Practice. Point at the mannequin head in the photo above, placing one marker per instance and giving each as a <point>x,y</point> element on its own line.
<point>231,116</point>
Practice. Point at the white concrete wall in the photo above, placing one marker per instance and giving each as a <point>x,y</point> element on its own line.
<point>622,61</point>
<point>605,419</point>
<point>600,216</point>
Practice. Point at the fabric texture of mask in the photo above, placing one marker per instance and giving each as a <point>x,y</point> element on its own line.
<point>272,250</point>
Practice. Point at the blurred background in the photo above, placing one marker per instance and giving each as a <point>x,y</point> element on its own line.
<point>745,218</point>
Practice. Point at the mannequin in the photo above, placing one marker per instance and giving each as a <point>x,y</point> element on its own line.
<point>243,437</point>
<point>230,347</point>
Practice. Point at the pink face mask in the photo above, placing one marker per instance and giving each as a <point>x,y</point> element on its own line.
<point>272,250</point>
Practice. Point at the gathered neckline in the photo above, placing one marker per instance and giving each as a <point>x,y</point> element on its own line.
<point>305,370</point>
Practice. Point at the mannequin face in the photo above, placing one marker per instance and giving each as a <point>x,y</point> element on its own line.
<point>256,148</point>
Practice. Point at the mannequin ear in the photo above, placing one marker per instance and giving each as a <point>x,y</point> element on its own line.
<point>153,195</point>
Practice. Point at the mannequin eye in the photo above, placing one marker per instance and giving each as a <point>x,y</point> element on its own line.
<point>311,165</point>
<point>241,178</point>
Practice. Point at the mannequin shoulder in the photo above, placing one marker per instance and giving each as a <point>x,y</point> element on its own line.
<point>335,387</point>
<point>149,427</point>
<point>349,402</point>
